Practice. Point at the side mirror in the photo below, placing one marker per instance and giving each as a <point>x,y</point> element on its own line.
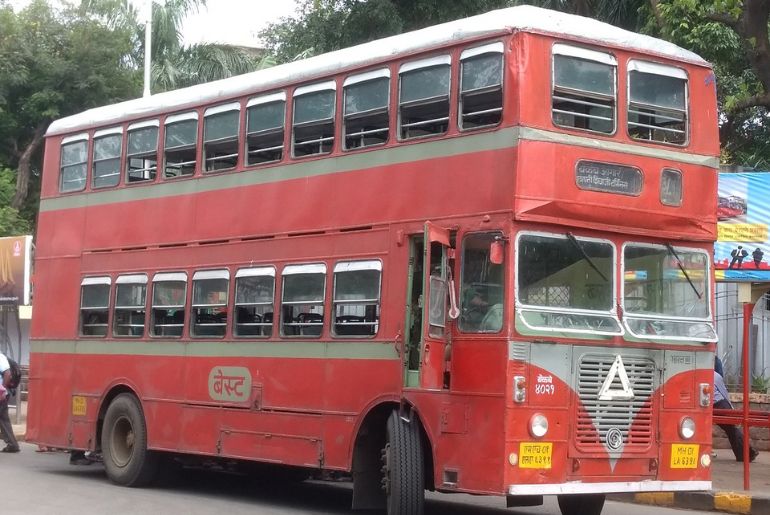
<point>496,252</point>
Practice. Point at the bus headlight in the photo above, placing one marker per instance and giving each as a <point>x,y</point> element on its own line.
<point>687,428</point>
<point>538,425</point>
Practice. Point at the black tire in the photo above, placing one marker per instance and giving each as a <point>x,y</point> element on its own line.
<point>404,479</point>
<point>124,443</point>
<point>581,504</point>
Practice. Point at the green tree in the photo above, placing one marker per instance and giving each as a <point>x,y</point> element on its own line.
<point>12,223</point>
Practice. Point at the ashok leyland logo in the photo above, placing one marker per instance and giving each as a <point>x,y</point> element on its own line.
<point>607,393</point>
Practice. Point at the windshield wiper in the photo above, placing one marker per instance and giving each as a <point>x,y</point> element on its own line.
<point>686,275</point>
<point>573,240</point>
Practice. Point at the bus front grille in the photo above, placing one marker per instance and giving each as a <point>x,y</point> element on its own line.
<point>632,417</point>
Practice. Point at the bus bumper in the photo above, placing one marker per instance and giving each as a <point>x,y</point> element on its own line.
<point>579,487</point>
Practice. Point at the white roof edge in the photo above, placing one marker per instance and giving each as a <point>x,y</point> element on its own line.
<point>108,132</point>
<point>266,99</point>
<point>494,23</point>
<point>656,69</point>
<point>257,271</point>
<point>87,281</point>
<point>316,268</point>
<point>496,47</point>
<point>354,266</point>
<point>132,279</point>
<point>585,53</point>
<point>182,117</point>
<point>425,63</point>
<point>211,274</point>
<point>327,85</point>
<point>169,276</point>
<point>381,73</point>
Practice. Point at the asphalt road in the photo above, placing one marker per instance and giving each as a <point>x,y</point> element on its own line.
<point>44,483</point>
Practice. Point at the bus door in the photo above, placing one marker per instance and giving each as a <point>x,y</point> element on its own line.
<point>426,317</point>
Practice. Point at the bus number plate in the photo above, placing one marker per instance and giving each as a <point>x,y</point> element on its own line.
<point>684,456</point>
<point>535,455</point>
<point>78,405</point>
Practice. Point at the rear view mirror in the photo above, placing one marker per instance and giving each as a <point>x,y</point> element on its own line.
<point>496,252</point>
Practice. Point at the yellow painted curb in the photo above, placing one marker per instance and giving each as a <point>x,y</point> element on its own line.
<point>655,498</point>
<point>732,502</point>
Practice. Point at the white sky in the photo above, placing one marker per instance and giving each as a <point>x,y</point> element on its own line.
<point>236,22</point>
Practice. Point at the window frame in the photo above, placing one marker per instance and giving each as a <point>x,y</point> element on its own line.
<point>101,280</point>
<point>129,279</point>
<point>269,98</point>
<point>255,271</point>
<point>328,85</point>
<point>298,269</point>
<point>410,66</point>
<point>213,111</point>
<point>664,70</point>
<point>360,78</point>
<point>176,119</point>
<point>69,140</point>
<point>144,155</point>
<point>209,275</point>
<point>101,134</point>
<point>355,266</point>
<point>461,325</point>
<point>497,47</point>
<point>168,277</point>
<point>586,54</point>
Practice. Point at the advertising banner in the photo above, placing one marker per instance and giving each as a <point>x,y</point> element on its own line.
<point>742,252</point>
<point>15,262</point>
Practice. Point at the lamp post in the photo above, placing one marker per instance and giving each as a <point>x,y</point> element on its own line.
<point>147,46</point>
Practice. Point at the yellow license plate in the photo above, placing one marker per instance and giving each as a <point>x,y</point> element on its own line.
<point>78,405</point>
<point>535,455</point>
<point>684,456</point>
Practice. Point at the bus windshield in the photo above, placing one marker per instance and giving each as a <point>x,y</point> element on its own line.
<point>566,284</point>
<point>665,292</point>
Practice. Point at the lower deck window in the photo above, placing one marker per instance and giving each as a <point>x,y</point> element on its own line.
<point>357,298</point>
<point>130,297</point>
<point>254,292</point>
<point>302,304</point>
<point>209,304</point>
<point>168,305</point>
<point>94,306</point>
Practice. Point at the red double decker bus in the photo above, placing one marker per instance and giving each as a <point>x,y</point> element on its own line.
<point>472,258</point>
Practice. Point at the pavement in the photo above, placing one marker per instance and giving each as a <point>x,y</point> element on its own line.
<point>727,494</point>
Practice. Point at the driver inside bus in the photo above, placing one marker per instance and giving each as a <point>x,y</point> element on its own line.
<point>474,308</point>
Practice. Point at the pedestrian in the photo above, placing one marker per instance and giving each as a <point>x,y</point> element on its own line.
<point>11,445</point>
<point>734,435</point>
<point>738,256</point>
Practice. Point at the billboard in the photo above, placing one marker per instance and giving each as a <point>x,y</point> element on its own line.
<point>15,263</point>
<point>742,252</point>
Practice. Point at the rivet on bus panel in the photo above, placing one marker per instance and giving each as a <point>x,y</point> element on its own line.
<point>513,459</point>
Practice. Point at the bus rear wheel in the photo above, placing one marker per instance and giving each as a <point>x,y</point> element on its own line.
<point>581,504</point>
<point>124,443</point>
<point>403,474</point>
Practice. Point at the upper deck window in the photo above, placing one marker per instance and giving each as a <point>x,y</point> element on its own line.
<point>357,298</point>
<point>94,306</point>
<point>108,145</point>
<point>657,102</point>
<point>209,303</point>
<point>265,120</point>
<point>313,125</point>
<point>366,118</point>
<point>254,293</point>
<point>302,305</point>
<point>130,298</point>
<point>566,284</point>
<point>74,163</point>
<point>181,145</point>
<point>142,151</point>
<point>220,137</point>
<point>584,89</point>
<point>481,86</point>
<point>424,97</point>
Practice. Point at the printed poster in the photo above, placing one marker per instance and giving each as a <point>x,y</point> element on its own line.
<point>15,257</point>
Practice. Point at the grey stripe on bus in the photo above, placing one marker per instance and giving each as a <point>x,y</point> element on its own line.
<point>496,140</point>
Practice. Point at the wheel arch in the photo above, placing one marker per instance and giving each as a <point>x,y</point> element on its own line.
<point>110,394</point>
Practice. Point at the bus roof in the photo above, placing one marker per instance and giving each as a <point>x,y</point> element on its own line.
<point>521,18</point>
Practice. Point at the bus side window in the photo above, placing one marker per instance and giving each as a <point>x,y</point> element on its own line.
<point>254,296</point>
<point>220,137</point>
<point>481,86</point>
<point>657,102</point>
<point>108,146</point>
<point>265,118</point>
<point>313,126</point>
<point>130,300</point>
<point>481,301</point>
<point>357,298</point>
<point>94,306</point>
<point>423,106</point>
<point>366,118</point>
<point>302,302</point>
<point>208,317</point>
<point>142,151</point>
<point>181,145</point>
<point>74,163</point>
<point>169,292</point>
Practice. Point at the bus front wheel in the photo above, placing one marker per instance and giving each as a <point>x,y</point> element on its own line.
<point>124,443</point>
<point>403,474</point>
<point>581,504</point>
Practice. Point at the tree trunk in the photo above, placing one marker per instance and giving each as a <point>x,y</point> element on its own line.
<point>25,168</point>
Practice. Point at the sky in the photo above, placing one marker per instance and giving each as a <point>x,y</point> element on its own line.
<point>235,22</point>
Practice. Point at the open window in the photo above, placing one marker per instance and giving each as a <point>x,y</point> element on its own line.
<point>94,306</point>
<point>302,303</point>
<point>657,102</point>
<point>169,294</point>
<point>423,106</point>
<point>130,301</point>
<point>254,295</point>
<point>481,300</point>
<point>108,146</point>
<point>209,303</point>
<point>265,118</point>
<point>366,117</point>
<point>181,145</point>
<point>313,126</point>
<point>584,89</point>
<point>357,298</point>
<point>74,163</point>
<point>220,137</point>
<point>481,86</point>
<point>142,151</point>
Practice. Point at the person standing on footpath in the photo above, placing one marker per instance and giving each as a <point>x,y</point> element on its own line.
<point>5,421</point>
<point>722,401</point>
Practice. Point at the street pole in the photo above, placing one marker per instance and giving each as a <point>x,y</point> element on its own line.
<point>147,47</point>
